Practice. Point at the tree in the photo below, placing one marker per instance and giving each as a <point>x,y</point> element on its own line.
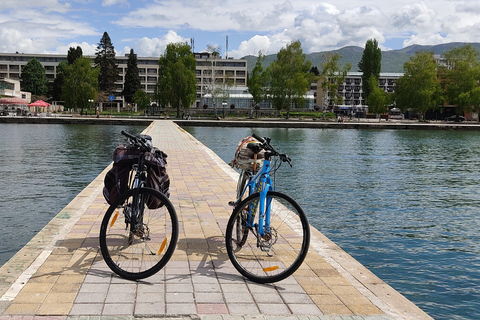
<point>57,85</point>
<point>105,60</point>
<point>81,83</point>
<point>462,80</point>
<point>370,64</point>
<point>214,87</point>
<point>142,99</point>
<point>289,77</point>
<point>33,78</point>
<point>257,82</point>
<point>177,84</point>
<point>419,88</point>
<point>74,54</point>
<point>333,76</point>
<point>132,80</point>
<point>378,100</point>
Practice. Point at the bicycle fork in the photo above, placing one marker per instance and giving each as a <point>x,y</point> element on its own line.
<point>266,235</point>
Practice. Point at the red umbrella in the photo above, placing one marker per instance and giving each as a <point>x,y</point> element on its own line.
<point>39,103</point>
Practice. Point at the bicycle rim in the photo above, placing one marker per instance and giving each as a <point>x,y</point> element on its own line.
<point>279,253</point>
<point>141,251</point>
<point>240,225</point>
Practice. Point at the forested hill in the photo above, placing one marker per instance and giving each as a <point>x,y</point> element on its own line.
<point>392,61</point>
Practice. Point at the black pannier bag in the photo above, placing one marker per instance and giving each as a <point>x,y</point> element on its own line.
<point>157,177</point>
<point>116,179</point>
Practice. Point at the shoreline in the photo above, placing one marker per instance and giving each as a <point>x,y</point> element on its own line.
<point>255,123</point>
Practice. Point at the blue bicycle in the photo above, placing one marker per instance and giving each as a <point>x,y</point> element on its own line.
<point>268,234</point>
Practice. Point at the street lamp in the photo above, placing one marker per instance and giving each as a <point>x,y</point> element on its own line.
<point>224,104</point>
<point>90,103</point>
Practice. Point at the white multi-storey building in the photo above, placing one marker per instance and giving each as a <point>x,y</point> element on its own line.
<point>209,70</point>
<point>352,92</point>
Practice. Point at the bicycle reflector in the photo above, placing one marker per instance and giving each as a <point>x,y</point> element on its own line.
<point>114,219</point>
<point>164,243</point>
<point>270,269</point>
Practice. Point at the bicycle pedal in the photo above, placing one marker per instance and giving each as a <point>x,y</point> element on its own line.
<point>232,203</point>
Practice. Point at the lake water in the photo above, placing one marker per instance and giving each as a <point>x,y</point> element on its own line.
<point>44,168</point>
<point>405,204</point>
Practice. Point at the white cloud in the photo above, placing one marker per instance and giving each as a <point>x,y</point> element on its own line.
<point>107,3</point>
<point>417,17</point>
<point>87,48</point>
<point>155,47</point>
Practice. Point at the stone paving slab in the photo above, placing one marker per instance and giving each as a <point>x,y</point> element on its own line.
<point>60,274</point>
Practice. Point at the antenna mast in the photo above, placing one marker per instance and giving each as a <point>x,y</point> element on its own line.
<point>226,50</point>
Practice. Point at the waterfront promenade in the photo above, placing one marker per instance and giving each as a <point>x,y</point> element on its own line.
<point>60,273</point>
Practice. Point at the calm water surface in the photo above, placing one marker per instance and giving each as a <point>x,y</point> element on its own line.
<point>404,203</point>
<point>44,168</point>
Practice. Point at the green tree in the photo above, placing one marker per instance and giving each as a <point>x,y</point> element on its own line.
<point>257,82</point>
<point>73,54</point>
<point>132,80</point>
<point>419,88</point>
<point>105,61</point>
<point>378,100</point>
<point>333,75</point>
<point>289,77</point>
<point>177,84</point>
<point>462,79</point>
<point>33,78</point>
<point>370,64</point>
<point>81,84</point>
<point>56,88</point>
<point>142,99</point>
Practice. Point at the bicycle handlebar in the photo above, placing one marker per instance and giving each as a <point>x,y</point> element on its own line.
<point>268,147</point>
<point>140,140</point>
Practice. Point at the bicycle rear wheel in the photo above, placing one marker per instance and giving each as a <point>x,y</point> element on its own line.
<point>140,251</point>
<point>241,230</point>
<point>281,251</point>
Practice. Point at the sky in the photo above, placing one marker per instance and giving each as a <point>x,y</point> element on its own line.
<point>53,26</point>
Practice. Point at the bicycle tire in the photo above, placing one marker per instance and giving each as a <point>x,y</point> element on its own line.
<point>241,226</point>
<point>289,241</point>
<point>140,254</point>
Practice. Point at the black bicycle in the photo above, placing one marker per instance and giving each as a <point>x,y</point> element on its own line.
<point>139,231</point>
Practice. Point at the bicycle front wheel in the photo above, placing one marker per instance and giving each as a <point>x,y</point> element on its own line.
<point>284,245</point>
<point>139,251</point>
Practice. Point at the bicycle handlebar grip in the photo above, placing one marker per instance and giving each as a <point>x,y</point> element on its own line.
<point>258,138</point>
<point>128,135</point>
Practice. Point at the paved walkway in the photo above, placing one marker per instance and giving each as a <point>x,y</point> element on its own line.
<point>60,273</point>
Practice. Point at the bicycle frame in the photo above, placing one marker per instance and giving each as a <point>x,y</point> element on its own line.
<point>262,183</point>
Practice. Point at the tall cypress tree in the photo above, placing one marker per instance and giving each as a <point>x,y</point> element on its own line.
<point>74,54</point>
<point>105,61</point>
<point>370,65</point>
<point>132,80</point>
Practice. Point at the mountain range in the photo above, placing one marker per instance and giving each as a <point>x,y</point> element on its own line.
<point>392,60</point>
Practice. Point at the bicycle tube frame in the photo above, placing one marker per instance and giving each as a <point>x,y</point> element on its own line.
<point>262,183</point>
<point>138,182</point>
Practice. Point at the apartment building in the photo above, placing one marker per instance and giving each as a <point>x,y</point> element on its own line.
<point>352,92</point>
<point>209,70</point>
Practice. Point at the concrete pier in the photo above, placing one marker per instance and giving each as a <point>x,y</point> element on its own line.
<point>60,273</point>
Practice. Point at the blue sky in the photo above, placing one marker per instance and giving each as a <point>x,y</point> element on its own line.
<point>52,26</point>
